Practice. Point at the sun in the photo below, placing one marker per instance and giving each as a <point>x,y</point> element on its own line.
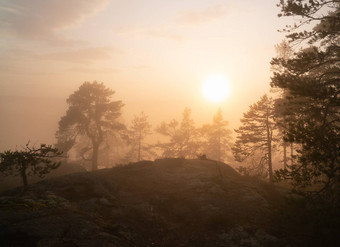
<point>216,88</point>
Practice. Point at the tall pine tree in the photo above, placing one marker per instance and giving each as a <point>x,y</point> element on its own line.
<point>183,137</point>
<point>312,79</point>
<point>217,138</point>
<point>139,129</point>
<point>255,135</point>
<point>91,114</point>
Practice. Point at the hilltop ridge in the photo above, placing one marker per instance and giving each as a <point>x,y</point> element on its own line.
<point>166,202</point>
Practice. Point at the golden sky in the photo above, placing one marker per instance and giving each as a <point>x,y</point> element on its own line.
<point>154,53</point>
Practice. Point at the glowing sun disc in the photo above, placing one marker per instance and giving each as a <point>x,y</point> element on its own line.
<point>216,88</point>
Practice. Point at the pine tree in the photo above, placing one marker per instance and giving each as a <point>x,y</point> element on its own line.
<point>284,52</point>
<point>217,138</point>
<point>91,114</point>
<point>139,129</point>
<point>29,161</point>
<point>312,79</point>
<point>183,137</point>
<point>255,135</point>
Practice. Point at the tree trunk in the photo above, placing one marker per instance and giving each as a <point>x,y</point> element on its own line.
<point>219,148</point>
<point>291,154</point>
<point>284,155</point>
<point>270,167</point>
<point>269,145</point>
<point>139,145</point>
<point>24,178</point>
<point>95,157</point>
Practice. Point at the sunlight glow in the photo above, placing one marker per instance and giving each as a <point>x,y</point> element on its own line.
<point>216,88</point>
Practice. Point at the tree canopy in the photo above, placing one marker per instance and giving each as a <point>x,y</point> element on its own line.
<point>323,14</point>
<point>29,161</point>
<point>255,135</point>
<point>217,138</point>
<point>311,78</point>
<point>92,114</point>
<point>183,137</point>
<point>138,130</point>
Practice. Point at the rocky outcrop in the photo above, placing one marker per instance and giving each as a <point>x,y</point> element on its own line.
<point>168,202</point>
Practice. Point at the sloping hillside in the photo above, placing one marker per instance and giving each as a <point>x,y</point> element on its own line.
<point>11,182</point>
<point>168,202</point>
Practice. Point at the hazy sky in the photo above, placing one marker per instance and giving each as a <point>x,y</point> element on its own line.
<point>154,53</point>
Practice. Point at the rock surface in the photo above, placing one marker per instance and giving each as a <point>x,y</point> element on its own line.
<point>168,202</point>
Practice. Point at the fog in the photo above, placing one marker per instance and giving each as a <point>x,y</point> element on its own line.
<point>36,119</point>
<point>169,123</point>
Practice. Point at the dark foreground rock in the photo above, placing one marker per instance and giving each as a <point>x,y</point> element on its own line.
<point>169,202</point>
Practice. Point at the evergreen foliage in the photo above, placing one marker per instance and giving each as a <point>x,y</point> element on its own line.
<point>311,107</point>
<point>183,137</point>
<point>91,114</point>
<point>139,129</point>
<point>217,138</point>
<point>255,135</point>
<point>29,161</point>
